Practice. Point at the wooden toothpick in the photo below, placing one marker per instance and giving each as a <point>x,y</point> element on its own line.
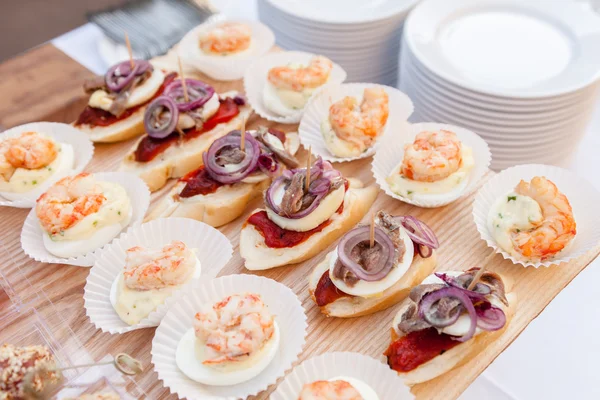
<point>131,63</point>
<point>372,231</point>
<point>182,77</point>
<point>308,165</point>
<point>243,138</point>
<point>481,270</point>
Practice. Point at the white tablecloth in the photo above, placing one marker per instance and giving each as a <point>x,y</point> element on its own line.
<point>555,357</point>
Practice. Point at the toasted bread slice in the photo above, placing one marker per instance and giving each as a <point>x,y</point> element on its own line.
<point>127,128</point>
<point>355,306</point>
<point>259,256</point>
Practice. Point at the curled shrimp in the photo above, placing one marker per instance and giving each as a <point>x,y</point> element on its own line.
<point>360,124</point>
<point>297,79</point>
<point>228,37</point>
<point>234,328</point>
<point>432,156</point>
<point>68,201</point>
<point>148,269</point>
<point>30,151</point>
<point>329,390</point>
<point>557,227</point>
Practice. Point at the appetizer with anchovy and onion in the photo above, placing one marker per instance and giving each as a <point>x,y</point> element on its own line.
<point>180,127</point>
<point>444,324</point>
<point>118,100</point>
<point>534,222</point>
<point>79,214</point>
<point>231,342</point>
<point>149,277</point>
<point>218,192</point>
<point>300,219</point>
<point>31,162</point>
<point>358,279</point>
<point>339,388</point>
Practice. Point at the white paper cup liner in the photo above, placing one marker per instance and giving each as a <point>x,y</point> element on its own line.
<point>582,196</point>
<point>212,249</point>
<point>280,300</point>
<point>390,154</point>
<point>31,235</point>
<point>83,150</point>
<point>225,68</point>
<point>317,111</point>
<point>385,382</point>
<point>255,80</point>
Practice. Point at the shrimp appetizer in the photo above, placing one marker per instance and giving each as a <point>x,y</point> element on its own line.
<point>226,39</point>
<point>179,129</point>
<point>17,362</point>
<point>354,125</point>
<point>79,214</point>
<point>534,222</point>
<point>443,324</point>
<point>302,219</point>
<point>118,100</point>
<point>232,341</point>
<point>219,191</point>
<point>31,162</point>
<point>150,276</point>
<point>358,279</point>
<point>340,388</point>
<point>289,87</point>
<point>437,163</point>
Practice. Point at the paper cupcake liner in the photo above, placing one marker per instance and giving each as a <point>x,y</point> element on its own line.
<point>391,152</point>
<point>282,302</point>
<point>582,196</point>
<point>83,150</point>
<point>212,249</point>
<point>31,235</point>
<point>255,80</point>
<point>225,68</point>
<point>385,382</point>
<point>317,111</point>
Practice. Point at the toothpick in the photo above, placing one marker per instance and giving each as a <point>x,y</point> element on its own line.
<point>372,231</point>
<point>185,91</point>
<point>308,165</point>
<point>485,262</point>
<point>131,63</point>
<point>243,138</point>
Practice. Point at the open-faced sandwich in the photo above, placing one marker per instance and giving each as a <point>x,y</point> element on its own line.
<point>118,100</point>
<point>302,217</point>
<point>232,341</point>
<point>149,277</point>
<point>180,126</point>
<point>357,279</point>
<point>444,324</point>
<point>218,192</point>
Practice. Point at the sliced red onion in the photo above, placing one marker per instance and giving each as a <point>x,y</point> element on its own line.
<point>198,92</point>
<point>427,310</point>
<point>418,231</point>
<point>121,75</point>
<point>268,165</point>
<point>490,318</point>
<point>362,234</point>
<point>320,186</point>
<point>478,294</point>
<point>239,100</point>
<point>244,168</point>
<point>160,118</point>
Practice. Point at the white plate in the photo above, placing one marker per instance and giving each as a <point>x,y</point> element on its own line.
<point>513,48</point>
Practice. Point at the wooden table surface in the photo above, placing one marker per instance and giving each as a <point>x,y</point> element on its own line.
<point>45,84</point>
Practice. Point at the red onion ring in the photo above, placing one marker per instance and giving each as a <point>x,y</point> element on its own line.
<point>121,75</point>
<point>478,294</point>
<point>490,318</point>
<point>153,124</point>
<point>427,302</point>
<point>243,169</point>
<point>418,231</point>
<point>362,234</point>
<point>198,92</point>
<point>269,165</point>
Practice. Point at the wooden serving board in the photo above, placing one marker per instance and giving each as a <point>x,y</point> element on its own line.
<point>461,248</point>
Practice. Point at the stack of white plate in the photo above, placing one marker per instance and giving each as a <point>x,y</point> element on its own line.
<point>362,36</point>
<point>521,74</point>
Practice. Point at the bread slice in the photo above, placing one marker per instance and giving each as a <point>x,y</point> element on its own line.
<point>355,306</point>
<point>460,354</point>
<point>179,159</point>
<point>124,129</point>
<point>258,256</point>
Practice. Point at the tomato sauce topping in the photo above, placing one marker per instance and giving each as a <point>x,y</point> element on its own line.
<point>326,292</point>
<point>99,117</point>
<point>198,182</point>
<point>278,238</point>
<point>416,348</point>
<point>148,148</point>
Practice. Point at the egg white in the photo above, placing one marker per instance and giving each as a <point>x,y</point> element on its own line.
<point>61,166</point>
<point>371,289</point>
<point>140,95</point>
<point>188,362</point>
<point>365,390</point>
<point>336,146</point>
<point>285,102</point>
<point>326,208</point>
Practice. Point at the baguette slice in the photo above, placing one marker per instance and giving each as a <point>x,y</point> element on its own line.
<point>127,128</point>
<point>258,256</point>
<point>221,207</point>
<point>178,160</point>
<point>355,306</point>
<point>460,354</point>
